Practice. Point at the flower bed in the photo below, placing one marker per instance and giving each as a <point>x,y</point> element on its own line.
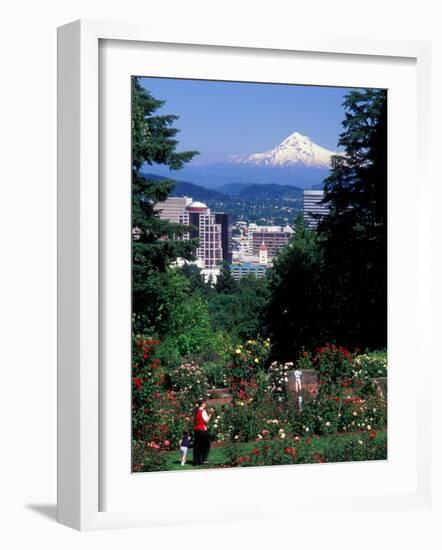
<point>306,450</point>
<point>257,407</point>
<point>310,450</point>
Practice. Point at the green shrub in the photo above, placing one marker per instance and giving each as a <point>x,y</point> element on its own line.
<point>373,364</point>
<point>360,414</point>
<point>304,361</point>
<point>327,419</point>
<point>335,366</point>
<point>217,373</point>
<point>365,446</point>
<point>146,458</point>
<point>241,423</point>
<point>190,381</point>
<point>147,387</point>
<point>246,361</point>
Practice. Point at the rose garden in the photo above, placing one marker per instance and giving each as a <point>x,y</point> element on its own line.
<point>339,415</point>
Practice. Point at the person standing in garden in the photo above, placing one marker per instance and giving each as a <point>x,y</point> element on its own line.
<point>201,442</point>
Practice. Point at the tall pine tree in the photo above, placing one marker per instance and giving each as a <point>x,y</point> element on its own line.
<point>354,235</point>
<point>155,245</point>
<point>294,312</point>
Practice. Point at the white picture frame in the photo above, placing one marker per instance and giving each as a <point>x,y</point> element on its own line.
<point>79,265</point>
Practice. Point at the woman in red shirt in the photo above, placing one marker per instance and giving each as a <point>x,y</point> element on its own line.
<point>201,441</point>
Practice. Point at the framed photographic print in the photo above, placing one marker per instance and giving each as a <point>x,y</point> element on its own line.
<point>235,253</point>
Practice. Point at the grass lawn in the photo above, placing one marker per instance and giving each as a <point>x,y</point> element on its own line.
<point>218,457</point>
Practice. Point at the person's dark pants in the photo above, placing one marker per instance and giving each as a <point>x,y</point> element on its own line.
<point>201,446</point>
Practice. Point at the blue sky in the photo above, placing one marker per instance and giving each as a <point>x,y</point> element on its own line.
<point>224,118</point>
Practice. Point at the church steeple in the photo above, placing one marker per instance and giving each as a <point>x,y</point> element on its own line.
<point>263,255</point>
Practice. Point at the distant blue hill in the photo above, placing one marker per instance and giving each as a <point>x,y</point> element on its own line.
<point>215,176</point>
<point>245,191</point>
<point>189,189</point>
<point>234,188</point>
<point>269,191</point>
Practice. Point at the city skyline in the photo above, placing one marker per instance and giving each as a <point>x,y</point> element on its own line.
<point>250,252</point>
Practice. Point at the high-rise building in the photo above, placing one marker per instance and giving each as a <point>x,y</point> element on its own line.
<point>226,235</point>
<point>172,208</point>
<point>313,210</point>
<point>212,230</point>
<point>273,236</point>
<point>210,252</point>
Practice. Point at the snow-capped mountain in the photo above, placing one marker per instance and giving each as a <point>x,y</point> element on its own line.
<point>296,150</point>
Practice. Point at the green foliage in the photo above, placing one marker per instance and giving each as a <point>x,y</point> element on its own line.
<point>190,326</point>
<point>354,236</point>
<point>305,423</point>
<point>164,292</point>
<point>225,283</point>
<point>145,458</point>
<point>372,364</point>
<point>154,247</point>
<point>147,387</point>
<point>246,361</point>
<point>189,333</point>
<point>335,367</point>
<point>217,373</point>
<point>241,423</point>
<point>332,284</point>
<point>240,311</point>
<point>196,282</point>
<point>309,450</point>
<point>304,361</point>
<point>362,414</point>
<point>294,312</point>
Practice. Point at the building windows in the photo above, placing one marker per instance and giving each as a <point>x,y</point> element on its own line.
<point>313,210</point>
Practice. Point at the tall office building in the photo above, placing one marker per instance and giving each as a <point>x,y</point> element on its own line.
<point>313,210</point>
<point>274,238</point>
<point>172,208</point>
<point>210,252</point>
<point>226,235</point>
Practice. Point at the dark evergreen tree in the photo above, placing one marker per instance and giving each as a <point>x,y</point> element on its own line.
<point>294,314</point>
<point>196,281</point>
<point>225,283</point>
<point>354,235</point>
<point>155,245</point>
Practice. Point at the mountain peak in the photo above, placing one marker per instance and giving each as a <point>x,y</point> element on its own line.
<point>296,136</point>
<point>295,150</point>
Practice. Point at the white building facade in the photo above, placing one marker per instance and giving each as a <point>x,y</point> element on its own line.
<point>313,210</point>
